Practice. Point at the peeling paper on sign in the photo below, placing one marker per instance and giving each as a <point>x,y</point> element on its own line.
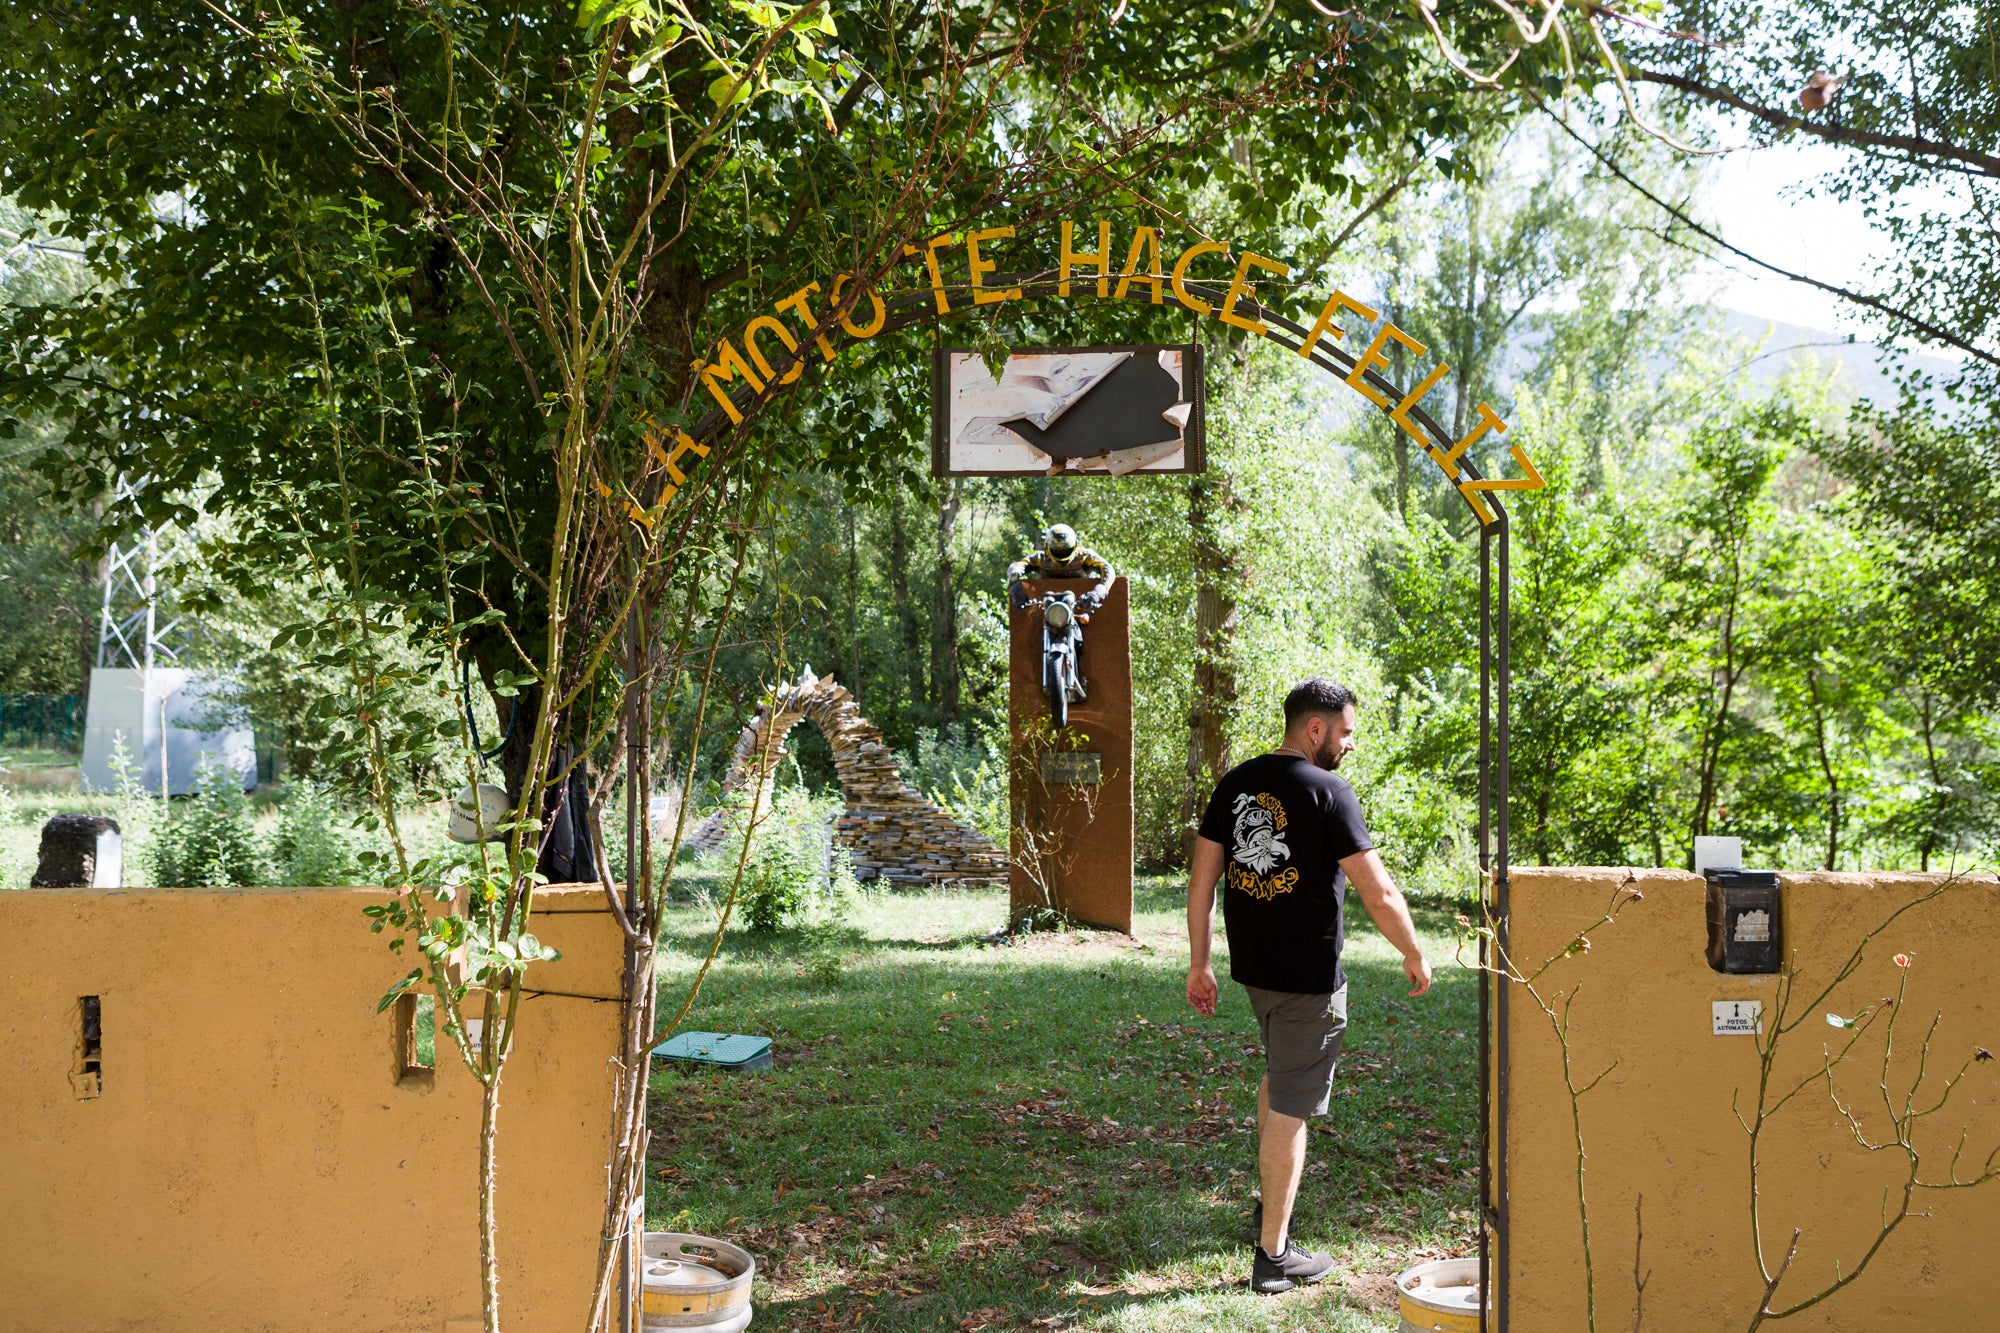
<point>1067,386</point>
<point>1116,462</point>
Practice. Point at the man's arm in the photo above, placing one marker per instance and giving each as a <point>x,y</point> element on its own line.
<point>1385,903</point>
<point>1204,869</point>
<point>1097,567</point>
<point>1017,596</point>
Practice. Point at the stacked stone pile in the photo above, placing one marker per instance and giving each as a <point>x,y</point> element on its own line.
<point>889,828</point>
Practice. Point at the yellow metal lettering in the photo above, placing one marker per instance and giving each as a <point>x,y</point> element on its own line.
<point>1471,489</point>
<point>929,250</point>
<point>728,364</point>
<point>684,444</point>
<point>797,302</point>
<point>776,326</point>
<point>1324,324</point>
<point>982,294</point>
<point>1146,240</point>
<point>875,323</point>
<point>1400,413</point>
<point>1488,420</point>
<point>1102,256</point>
<point>1375,356</point>
<point>1239,287</point>
<point>1200,307</point>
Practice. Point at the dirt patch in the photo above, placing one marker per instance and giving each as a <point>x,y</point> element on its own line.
<point>1073,943</point>
<point>1374,1289</point>
<point>1375,1285</point>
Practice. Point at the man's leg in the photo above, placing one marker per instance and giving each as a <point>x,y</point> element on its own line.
<point>1281,1158</point>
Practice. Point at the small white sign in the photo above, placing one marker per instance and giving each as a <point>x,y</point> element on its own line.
<point>1739,1018</point>
<point>1717,854</point>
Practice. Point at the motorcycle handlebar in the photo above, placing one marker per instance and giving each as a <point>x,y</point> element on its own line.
<point>1082,606</point>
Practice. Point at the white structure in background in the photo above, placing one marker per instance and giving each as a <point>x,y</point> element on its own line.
<point>164,713</point>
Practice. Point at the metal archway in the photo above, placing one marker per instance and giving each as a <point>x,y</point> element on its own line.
<point>923,307</point>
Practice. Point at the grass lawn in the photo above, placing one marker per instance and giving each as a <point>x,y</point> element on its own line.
<point>1043,1135</point>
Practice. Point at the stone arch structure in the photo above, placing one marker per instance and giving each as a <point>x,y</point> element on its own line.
<point>889,828</point>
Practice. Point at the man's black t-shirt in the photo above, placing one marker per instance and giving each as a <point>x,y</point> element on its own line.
<point>1285,826</point>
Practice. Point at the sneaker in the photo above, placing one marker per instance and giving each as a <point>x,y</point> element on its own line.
<point>1294,1268</point>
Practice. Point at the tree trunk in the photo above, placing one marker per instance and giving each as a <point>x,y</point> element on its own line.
<point>1541,838</point>
<point>853,605</point>
<point>909,673</point>
<point>1936,801</point>
<point>1468,351</point>
<point>944,636</point>
<point>1711,747</point>
<point>489,1123</point>
<point>1400,438</point>
<point>1826,769</point>
<point>1393,309</point>
<point>1711,756</point>
<point>1217,571</point>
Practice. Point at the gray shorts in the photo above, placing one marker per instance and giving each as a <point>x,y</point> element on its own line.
<point>1302,1036</point>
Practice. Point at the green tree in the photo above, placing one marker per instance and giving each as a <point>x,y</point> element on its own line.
<point>1923,492</point>
<point>48,582</point>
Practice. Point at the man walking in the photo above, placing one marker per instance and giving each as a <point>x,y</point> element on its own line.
<point>1286,835</point>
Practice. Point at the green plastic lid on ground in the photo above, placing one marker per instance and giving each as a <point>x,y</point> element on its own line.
<point>717,1050</point>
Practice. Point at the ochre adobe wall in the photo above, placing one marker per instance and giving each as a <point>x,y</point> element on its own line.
<point>1660,1127</point>
<point>253,1161</point>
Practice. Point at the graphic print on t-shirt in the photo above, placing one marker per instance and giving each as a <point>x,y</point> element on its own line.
<point>1258,843</point>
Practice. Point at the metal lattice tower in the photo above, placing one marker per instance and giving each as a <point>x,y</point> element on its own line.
<point>129,632</point>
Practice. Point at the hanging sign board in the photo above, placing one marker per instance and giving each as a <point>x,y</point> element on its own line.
<point>1067,411</point>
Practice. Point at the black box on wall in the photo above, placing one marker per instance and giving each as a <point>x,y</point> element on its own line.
<point>1745,921</point>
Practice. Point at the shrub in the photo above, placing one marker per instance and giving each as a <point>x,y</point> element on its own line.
<point>313,845</point>
<point>788,869</point>
<point>17,864</point>
<point>206,841</point>
<point>964,771</point>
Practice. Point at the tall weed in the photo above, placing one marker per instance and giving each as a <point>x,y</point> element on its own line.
<point>964,771</point>
<point>792,869</point>
<point>207,840</point>
<point>17,865</point>
<point>314,843</point>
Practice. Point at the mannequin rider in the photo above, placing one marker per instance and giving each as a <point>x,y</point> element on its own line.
<point>1061,557</point>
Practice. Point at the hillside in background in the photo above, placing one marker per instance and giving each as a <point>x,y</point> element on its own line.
<point>1867,367</point>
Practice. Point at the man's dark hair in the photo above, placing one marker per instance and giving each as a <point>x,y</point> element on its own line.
<point>1317,697</point>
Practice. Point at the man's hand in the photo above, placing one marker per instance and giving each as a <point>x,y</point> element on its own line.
<point>1416,967</point>
<point>1201,990</point>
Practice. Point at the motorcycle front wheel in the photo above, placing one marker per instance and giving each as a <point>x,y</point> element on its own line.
<point>1058,697</point>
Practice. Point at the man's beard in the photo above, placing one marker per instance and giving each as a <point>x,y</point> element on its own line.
<point>1328,755</point>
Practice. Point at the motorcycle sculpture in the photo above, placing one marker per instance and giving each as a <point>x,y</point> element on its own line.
<point>1062,642</point>
<point>1061,556</point>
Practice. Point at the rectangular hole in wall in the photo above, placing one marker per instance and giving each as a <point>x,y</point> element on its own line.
<point>416,1035</point>
<point>87,1075</point>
